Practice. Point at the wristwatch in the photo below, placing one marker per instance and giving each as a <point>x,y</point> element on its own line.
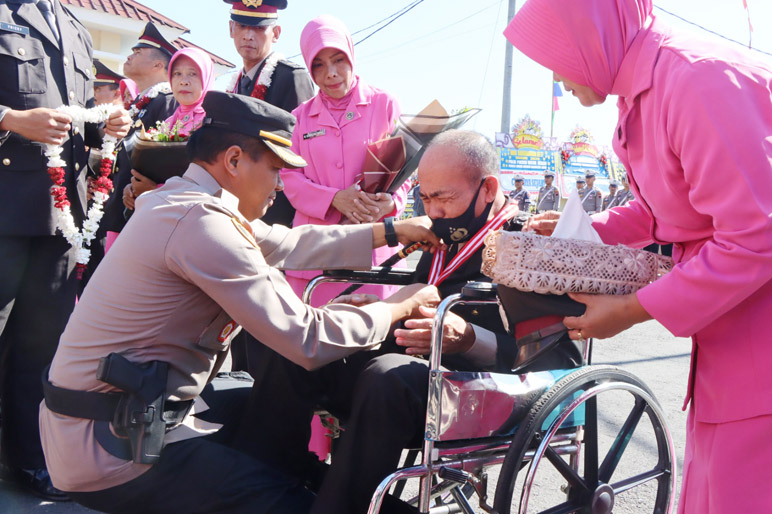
<point>391,234</point>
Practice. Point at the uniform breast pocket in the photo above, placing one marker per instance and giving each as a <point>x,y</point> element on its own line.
<point>82,76</point>
<point>22,64</point>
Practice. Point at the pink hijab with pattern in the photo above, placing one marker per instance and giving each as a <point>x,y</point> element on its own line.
<point>584,41</point>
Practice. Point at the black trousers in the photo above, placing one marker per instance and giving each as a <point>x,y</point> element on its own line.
<point>208,474</point>
<point>37,295</point>
<point>381,398</point>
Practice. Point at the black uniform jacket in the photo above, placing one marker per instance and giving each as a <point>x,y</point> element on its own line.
<point>36,70</point>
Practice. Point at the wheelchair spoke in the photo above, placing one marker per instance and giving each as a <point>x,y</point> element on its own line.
<point>565,469</point>
<point>614,454</point>
<point>591,443</point>
<point>634,481</point>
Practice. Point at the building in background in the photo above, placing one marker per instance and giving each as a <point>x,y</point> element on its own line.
<point>115,25</point>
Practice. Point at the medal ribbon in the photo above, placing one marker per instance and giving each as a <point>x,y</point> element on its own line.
<point>437,274</point>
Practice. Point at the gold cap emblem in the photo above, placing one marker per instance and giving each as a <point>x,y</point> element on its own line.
<point>252,3</point>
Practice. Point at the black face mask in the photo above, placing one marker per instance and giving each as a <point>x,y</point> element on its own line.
<point>464,227</point>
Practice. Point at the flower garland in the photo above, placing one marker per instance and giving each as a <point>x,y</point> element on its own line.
<point>161,87</point>
<point>263,81</point>
<point>81,239</point>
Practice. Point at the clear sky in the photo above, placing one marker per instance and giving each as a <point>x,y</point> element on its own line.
<point>453,50</point>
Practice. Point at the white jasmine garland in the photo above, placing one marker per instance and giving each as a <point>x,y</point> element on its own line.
<point>161,87</point>
<point>65,223</point>
<point>266,74</point>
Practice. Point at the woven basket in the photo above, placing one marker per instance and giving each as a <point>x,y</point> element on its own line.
<point>548,265</point>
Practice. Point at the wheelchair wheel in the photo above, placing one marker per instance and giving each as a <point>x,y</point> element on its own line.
<point>594,442</point>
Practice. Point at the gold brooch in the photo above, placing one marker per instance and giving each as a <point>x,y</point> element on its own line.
<point>252,3</point>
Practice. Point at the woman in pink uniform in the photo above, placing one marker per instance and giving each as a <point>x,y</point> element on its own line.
<point>695,134</point>
<point>332,133</point>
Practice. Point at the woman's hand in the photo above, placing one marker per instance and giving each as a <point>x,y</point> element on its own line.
<point>355,205</point>
<point>543,224</point>
<point>140,183</point>
<point>381,201</point>
<point>128,197</point>
<point>606,315</point>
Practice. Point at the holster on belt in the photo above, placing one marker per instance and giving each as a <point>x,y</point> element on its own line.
<point>138,415</point>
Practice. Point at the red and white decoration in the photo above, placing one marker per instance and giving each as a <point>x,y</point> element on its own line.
<point>80,239</point>
<point>263,81</point>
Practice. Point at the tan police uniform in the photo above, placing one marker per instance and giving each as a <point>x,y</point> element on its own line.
<point>183,273</point>
<point>592,199</point>
<point>549,199</point>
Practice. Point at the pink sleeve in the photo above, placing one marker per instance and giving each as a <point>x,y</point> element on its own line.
<point>628,225</point>
<point>719,125</point>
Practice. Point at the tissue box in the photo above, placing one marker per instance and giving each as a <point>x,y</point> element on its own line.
<point>551,265</point>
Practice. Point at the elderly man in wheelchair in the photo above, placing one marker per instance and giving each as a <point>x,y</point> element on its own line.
<point>381,396</point>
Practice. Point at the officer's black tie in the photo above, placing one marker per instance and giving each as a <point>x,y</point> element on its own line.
<point>45,9</point>
<point>244,84</point>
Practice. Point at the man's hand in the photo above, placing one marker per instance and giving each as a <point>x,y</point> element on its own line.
<point>355,205</point>
<point>118,124</point>
<point>140,183</point>
<point>458,335</point>
<point>357,299</point>
<point>543,224</point>
<point>418,230</point>
<point>406,302</point>
<point>41,124</point>
<point>606,315</point>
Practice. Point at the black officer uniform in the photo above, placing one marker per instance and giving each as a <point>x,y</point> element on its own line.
<point>157,109</point>
<point>39,68</point>
<point>290,84</point>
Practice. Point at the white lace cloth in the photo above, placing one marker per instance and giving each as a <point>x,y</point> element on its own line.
<point>530,262</point>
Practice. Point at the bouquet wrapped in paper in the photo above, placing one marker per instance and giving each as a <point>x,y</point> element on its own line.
<point>160,153</point>
<point>391,161</point>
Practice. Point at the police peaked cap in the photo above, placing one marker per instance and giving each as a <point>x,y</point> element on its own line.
<point>152,38</point>
<point>589,174</point>
<point>256,12</point>
<point>519,178</point>
<point>549,174</point>
<point>104,76</point>
<point>253,117</point>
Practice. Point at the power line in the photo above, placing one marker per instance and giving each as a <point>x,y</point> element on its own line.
<point>488,60</point>
<point>708,30</point>
<point>383,20</point>
<point>395,18</point>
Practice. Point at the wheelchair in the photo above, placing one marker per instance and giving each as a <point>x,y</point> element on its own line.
<point>569,440</point>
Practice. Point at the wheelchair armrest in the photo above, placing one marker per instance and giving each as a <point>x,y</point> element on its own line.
<point>479,291</point>
<point>375,275</point>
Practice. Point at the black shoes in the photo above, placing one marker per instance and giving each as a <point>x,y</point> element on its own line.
<point>37,481</point>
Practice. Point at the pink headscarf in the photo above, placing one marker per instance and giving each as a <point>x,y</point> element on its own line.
<point>584,42</point>
<point>129,85</point>
<point>322,32</point>
<point>194,112</point>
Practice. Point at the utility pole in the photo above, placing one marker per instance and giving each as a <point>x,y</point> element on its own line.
<point>506,103</point>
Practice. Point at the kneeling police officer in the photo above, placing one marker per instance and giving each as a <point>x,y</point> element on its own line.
<point>134,419</point>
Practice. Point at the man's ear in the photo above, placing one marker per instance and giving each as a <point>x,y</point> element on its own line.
<point>230,27</point>
<point>490,188</point>
<point>230,159</point>
<point>276,32</point>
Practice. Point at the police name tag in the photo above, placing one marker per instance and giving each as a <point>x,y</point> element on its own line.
<point>17,29</point>
<point>315,133</point>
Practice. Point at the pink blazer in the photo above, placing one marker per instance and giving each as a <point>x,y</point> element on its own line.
<point>335,155</point>
<point>695,134</point>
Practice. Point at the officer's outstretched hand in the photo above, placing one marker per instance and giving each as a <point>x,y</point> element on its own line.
<point>405,302</point>
<point>458,335</point>
<point>41,124</point>
<point>543,224</point>
<point>118,124</point>
<point>418,229</point>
